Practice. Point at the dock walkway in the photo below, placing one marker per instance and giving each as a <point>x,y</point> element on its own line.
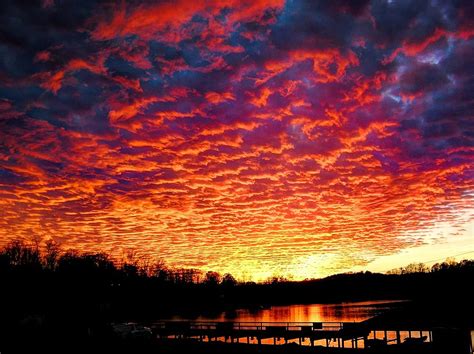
<point>327,332</point>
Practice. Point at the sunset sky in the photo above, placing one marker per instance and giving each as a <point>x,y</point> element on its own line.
<point>257,137</point>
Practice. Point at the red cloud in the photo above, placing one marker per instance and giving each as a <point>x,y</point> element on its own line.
<point>147,21</point>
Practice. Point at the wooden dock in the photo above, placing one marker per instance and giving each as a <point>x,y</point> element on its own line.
<point>338,334</point>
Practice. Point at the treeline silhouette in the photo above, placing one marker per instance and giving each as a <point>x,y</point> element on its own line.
<point>48,291</point>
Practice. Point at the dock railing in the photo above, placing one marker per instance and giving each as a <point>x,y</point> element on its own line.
<point>183,325</point>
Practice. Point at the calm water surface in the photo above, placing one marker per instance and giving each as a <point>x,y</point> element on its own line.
<point>341,312</point>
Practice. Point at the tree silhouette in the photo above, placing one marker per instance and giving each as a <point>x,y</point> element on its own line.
<point>51,255</point>
<point>212,279</point>
<point>50,292</point>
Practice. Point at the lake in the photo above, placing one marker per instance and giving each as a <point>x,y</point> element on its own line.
<point>339,312</point>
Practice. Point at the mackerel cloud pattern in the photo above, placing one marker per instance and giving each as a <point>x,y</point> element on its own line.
<point>256,137</point>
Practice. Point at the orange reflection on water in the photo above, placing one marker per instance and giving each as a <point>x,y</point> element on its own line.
<point>342,312</point>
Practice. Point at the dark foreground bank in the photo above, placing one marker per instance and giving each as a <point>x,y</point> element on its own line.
<point>172,346</point>
<point>55,302</point>
<point>168,347</point>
